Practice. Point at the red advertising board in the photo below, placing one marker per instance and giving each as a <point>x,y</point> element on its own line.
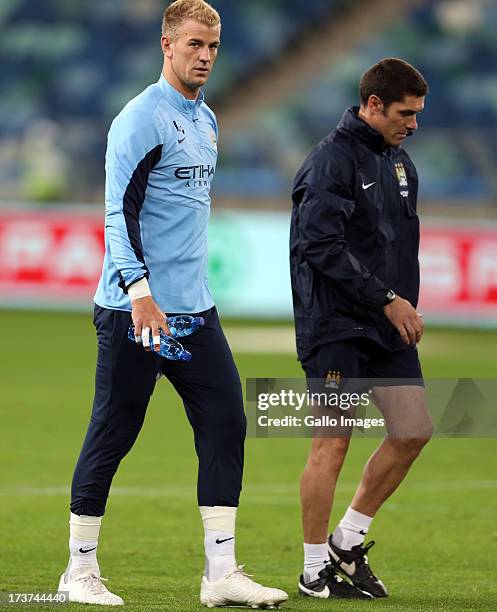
<point>54,257</point>
<point>50,257</point>
<point>459,272</point>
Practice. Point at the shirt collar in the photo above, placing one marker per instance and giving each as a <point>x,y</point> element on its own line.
<point>351,122</point>
<point>174,97</point>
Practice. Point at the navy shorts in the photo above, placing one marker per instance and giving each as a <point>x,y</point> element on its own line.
<point>360,363</point>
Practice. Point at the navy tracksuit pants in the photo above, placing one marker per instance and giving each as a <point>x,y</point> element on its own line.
<point>209,386</point>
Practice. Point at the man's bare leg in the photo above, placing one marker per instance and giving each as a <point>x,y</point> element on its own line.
<point>409,429</point>
<point>318,485</point>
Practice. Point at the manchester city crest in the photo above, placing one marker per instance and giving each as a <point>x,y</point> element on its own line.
<point>332,379</point>
<point>400,171</point>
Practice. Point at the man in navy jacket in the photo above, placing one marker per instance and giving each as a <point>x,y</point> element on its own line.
<point>355,281</point>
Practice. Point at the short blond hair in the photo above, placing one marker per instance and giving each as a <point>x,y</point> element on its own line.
<point>181,10</point>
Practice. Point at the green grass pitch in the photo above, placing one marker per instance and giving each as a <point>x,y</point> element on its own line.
<point>436,537</point>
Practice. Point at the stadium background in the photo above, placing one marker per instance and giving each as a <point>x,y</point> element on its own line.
<point>286,71</point>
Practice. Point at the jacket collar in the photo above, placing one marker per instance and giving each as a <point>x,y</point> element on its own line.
<point>178,100</point>
<point>351,122</point>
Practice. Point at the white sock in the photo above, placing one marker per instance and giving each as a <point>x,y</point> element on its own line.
<point>83,543</point>
<point>316,558</point>
<point>351,529</point>
<point>219,540</point>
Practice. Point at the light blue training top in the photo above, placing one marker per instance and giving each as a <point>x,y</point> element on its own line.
<point>160,162</point>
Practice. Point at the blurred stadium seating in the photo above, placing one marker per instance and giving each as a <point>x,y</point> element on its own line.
<point>453,43</point>
<point>68,67</point>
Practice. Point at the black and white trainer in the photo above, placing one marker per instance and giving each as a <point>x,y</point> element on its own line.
<point>354,565</point>
<point>330,586</point>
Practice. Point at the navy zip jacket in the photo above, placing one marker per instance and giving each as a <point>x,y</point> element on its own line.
<point>354,235</point>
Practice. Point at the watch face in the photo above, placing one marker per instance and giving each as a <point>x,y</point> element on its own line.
<point>391,295</point>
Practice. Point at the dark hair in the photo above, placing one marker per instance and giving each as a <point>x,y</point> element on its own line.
<point>391,79</point>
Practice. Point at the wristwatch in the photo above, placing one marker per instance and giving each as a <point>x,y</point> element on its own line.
<point>390,297</point>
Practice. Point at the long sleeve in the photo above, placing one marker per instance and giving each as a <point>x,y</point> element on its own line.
<point>134,148</point>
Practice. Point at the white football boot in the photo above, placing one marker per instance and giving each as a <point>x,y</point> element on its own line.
<point>88,588</point>
<point>236,588</point>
